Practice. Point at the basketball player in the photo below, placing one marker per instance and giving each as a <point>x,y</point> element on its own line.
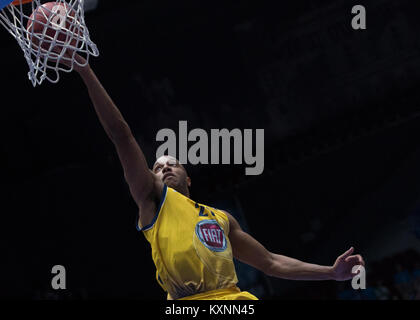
<point>193,245</point>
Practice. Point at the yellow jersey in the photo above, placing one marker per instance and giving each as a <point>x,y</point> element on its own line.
<point>191,249</point>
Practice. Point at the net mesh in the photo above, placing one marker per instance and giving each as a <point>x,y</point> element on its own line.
<point>50,36</point>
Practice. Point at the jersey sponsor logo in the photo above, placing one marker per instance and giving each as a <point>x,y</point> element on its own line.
<point>211,235</point>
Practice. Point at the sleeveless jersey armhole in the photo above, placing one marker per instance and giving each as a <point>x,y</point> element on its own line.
<point>151,224</point>
<point>226,220</point>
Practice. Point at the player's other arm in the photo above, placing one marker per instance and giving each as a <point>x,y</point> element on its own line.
<point>142,182</point>
<point>248,250</point>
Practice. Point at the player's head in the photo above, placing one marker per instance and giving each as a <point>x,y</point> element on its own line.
<point>173,174</point>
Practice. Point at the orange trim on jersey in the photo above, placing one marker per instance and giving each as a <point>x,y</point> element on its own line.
<point>18,2</point>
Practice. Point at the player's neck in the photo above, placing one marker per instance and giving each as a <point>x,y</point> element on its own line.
<point>183,190</point>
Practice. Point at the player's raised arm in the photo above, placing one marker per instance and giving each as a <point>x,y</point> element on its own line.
<point>137,174</point>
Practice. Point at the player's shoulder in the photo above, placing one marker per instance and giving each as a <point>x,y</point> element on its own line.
<point>225,215</point>
<point>228,215</point>
<point>233,223</point>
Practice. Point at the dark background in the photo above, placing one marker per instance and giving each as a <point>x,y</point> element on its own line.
<point>340,109</point>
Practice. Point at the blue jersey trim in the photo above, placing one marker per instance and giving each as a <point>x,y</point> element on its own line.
<point>162,200</point>
<point>5,3</point>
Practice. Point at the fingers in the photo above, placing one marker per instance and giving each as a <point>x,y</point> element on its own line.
<point>346,256</point>
<point>356,259</point>
<point>62,57</point>
<point>58,50</point>
<point>347,253</point>
<point>361,261</point>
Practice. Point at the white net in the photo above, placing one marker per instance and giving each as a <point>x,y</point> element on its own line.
<point>50,35</point>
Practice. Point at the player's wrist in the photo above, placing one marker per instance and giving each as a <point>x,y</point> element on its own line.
<point>82,70</point>
<point>327,273</point>
<point>332,273</point>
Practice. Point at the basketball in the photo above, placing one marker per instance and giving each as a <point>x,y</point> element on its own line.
<point>58,22</point>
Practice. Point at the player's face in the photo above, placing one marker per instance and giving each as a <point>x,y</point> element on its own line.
<point>171,172</point>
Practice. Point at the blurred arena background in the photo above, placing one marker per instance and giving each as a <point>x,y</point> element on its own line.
<point>341,113</point>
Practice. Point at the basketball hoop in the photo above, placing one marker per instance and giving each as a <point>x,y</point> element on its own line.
<point>49,44</point>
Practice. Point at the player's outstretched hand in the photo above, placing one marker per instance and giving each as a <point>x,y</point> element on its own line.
<point>67,62</point>
<point>81,61</point>
<point>343,266</point>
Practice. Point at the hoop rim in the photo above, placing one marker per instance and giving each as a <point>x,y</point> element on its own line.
<point>17,2</point>
<point>5,3</point>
